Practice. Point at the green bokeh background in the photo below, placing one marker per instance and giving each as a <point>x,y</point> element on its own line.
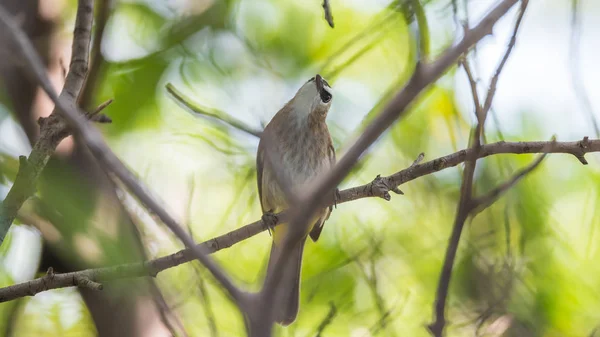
<point>529,260</point>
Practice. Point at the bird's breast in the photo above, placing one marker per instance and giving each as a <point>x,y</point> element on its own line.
<point>305,156</point>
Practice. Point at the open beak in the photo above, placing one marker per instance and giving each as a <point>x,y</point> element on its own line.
<point>323,92</point>
<point>319,82</point>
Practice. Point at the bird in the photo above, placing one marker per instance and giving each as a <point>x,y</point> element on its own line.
<point>301,148</point>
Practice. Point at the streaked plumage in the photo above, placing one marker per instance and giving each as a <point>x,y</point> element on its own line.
<point>300,136</point>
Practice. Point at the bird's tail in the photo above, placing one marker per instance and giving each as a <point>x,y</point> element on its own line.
<point>287,294</point>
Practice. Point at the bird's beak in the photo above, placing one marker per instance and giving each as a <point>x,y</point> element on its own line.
<point>319,82</point>
<point>322,89</point>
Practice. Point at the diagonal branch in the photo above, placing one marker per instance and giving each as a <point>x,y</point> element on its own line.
<point>97,61</point>
<point>462,213</point>
<point>328,14</point>
<point>466,203</point>
<point>108,160</point>
<point>511,44</point>
<point>221,116</point>
<point>52,129</point>
<point>574,63</point>
<point>485,201</point>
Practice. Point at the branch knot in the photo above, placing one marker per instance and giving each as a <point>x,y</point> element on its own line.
<point>380,187</point>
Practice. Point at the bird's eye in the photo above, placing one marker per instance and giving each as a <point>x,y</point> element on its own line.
<point>325,96</point>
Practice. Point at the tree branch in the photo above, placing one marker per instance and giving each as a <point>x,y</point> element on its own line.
<point>466,203</point>
<point>328,14</point>
<point>95,72</point>
<point>462,213</point>
<point>221,116</point>
<point>485,201</point>
<point>108,160</point>
<point>574,63</point>
<point>511,44</point>
<point>423,76</point>
<point>52,129</point>
<point>379,187</point>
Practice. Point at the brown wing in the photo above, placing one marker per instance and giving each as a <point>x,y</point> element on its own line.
<point>259,172</point>
<point>331,153</point>
<point>332,160</point>
<point>315,233</point>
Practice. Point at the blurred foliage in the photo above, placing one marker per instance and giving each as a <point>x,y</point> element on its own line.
<point>526,266</point>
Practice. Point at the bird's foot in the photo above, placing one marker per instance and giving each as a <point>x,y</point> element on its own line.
<point>269,220</point>
<point>336,196</point>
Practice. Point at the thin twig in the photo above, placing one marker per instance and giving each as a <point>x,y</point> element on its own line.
<point>464,206</point>
<point>487,200</point>
<point>513,40</point>
<point>327,320</point>
<point>206,305</point>
<point>374,28</point>
<point>165,311</point>
<point>424,35</point>
<point>473,84</point>
<point>221,116</point>
<point>466,203</point>
<point>328,14</point>
<point>576,76</point>
<point>98,117</point>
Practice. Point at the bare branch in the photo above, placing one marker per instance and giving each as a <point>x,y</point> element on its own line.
<point>513,40</point>
<point>466,203</point>
<point>97,117</point>
<point>473,84</point>
<point>52,129</point>
<point>165,312</point>
<point>424,35</point>
<point>487,200</point>
<point>464,207</point>
<point>328,14</point>
<point>375,28</point>
<point>576,76</point>
<point>419,159</point>
<point>327,320</point>
<point>103,11</point>
<point>221,116</point>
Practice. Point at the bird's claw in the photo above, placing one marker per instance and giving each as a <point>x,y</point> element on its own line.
<point>269,220</point>
<point>336,196</point>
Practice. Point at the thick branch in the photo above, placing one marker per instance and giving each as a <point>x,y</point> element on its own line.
<point>52,129</point>
<point>380,187</point>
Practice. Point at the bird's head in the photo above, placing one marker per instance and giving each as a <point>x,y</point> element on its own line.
<point>313,98</point>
